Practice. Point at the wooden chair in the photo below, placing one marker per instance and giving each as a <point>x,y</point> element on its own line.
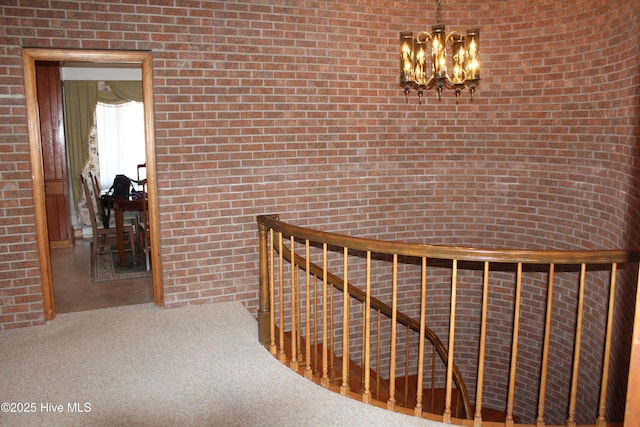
<point>104,238</point>
<point>96,188</point>
<point>139,167</point>
<point>143,225</point>
<point>105,216</point>
<point>143,221</point>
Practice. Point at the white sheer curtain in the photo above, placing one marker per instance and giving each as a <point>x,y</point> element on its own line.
<point>121,144</point>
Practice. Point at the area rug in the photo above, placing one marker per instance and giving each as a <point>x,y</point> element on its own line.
<point>108,268</point>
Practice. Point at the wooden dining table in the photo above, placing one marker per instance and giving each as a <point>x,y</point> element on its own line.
<point>120,204</point>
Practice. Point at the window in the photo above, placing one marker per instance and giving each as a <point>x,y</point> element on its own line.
<point>121,143</point>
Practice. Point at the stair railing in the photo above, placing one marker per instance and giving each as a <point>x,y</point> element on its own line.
<point>295,355</point>
<point>380,308</point>
<point>300,302</point>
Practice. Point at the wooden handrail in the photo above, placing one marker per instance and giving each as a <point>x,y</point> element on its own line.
<point>461,253</point>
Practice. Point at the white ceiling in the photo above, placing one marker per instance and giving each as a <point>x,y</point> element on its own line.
<point>96,73</point>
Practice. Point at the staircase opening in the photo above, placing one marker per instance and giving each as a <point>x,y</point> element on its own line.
<point>447,333</point>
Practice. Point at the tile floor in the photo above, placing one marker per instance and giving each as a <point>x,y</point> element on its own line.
<point>73,290</point>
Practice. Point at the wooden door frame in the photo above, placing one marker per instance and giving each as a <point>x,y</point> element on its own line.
<point>144,59</point>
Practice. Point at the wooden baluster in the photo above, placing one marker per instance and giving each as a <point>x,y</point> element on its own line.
<point>366,393</point>
<point>314,353</point>
<point>458,400</point>
<point>423,302</point>
<point>406,366</point>
<point>545,350</point>
<point>344,387</point>
<point>332,370</point>
<point>477,419</point>
<point>446,416</point>
<point>378,363</point>
<point>265,307</point>
<point>362,348</point>
<point>514,348</point>
<point>391,403</point>
<point>298,314</point>
<point>434,360</point>
<point>601,421</point>
<point>571,422</point>
<point>324,381</point>
<point>308,372</point>
<point>314,329</point>
<point>281,353</point>
<point>294,326</point>
<point>272,296</point>
<point>298,293</point>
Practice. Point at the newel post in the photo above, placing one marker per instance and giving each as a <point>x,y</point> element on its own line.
<point>264,308</point>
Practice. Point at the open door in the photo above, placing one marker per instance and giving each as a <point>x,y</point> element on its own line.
<point>53,154</point>
<point>29,59</point>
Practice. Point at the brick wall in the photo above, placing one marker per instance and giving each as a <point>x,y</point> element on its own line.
<point>293,107</point>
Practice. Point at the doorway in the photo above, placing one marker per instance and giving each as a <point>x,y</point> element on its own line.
<point>142,59</point>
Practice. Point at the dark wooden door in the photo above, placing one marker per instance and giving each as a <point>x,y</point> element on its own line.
<point>53,153</point>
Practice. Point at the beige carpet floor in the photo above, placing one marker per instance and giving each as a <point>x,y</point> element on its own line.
<point>147,366</point>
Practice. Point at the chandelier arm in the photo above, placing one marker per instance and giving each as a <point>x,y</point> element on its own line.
<point>450,36</point>
<point>429,84</point>
<point>427,36</point>
<point>449,84</point>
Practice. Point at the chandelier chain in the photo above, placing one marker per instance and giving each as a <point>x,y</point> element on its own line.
<point>439,12</point>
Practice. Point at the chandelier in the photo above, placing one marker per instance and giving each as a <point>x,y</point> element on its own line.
<point>465,64</point>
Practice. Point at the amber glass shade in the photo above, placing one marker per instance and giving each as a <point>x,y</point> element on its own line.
<point>420,58</point>
<point>407,67</point>
<point>472,46</point>
<point>458,73</point>
<point>439,52</point>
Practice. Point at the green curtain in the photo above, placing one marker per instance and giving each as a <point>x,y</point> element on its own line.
<point>121,92</point>
<point>81,98</point>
